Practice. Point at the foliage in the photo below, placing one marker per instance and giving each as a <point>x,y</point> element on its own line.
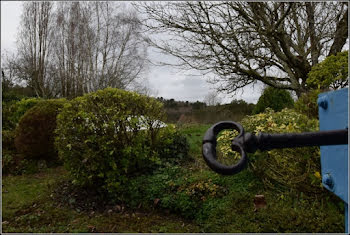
<point>171,146</point>
<point>224,140</point>
<point>7,109</point>
<point>35,131</point>
<point>330,73</point>
<point>22,106</point>
<point>11,92</point>
<point>100,137</point>
<point>241,106</point>
<point>16,164</point>
<point>8,140</point>
<point>14,110</point>
<point>173,188</point>
<point>185,112</point>
<point>307,103</point>
<point>274,98</point>
<point>11,96</point>
<point>12,162</point>
<point>8,150</point>
<point>290,168</point>
<point>29,205</point>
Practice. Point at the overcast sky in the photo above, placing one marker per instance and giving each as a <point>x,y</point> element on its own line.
<point>164,81</point>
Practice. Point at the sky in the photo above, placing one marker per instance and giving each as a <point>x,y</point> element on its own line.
<point>164,81</point>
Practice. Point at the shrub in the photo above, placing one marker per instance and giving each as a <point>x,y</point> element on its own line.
<point>8,138</point>
<point>16,164</point>
<point>12,162</point>
<point>14,110</point>
<point>35,131</point>
<point>23,106</point>
<point>291,168</point>
<point>307,103</point>
<point>100,138</point>
<point>330,73</point>
<point>8,148</point>
<point>174,188</point>
<point>8,108</point>
<point>276,99</point>
<point>171,146</point>
<point>10,95</point>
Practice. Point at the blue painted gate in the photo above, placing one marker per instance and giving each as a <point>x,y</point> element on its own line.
<point>333,114</point>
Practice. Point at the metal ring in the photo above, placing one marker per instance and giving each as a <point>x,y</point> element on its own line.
<point>209,148</point>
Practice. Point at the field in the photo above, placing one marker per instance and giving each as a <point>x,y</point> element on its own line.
<point>186,198</point>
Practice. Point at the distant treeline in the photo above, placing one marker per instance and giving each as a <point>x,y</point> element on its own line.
<point>199,112</point>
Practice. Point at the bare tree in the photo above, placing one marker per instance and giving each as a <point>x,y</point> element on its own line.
<point>33,46</point>
<point>276,43</point>
<point>7,71</point>
<point>71,46</point>
<point>67,49</point>
<point>212,99</point>
<point>98,45</point>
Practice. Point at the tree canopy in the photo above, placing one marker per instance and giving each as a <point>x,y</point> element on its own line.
<point>274,98</point>
<point>275,43</point>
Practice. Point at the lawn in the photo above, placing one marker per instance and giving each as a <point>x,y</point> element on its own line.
<point>186,198</point>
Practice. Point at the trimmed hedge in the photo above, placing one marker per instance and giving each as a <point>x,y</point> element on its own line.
<point>35,131</point>
<point>108,136</point>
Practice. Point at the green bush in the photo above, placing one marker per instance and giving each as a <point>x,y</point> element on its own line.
<point>290,168</point>
<point>276,99</point>
<point>8,149</point>
<point>8,140</point>
<point>16,164</point>
<point>23,106</point>
<point>176,189</point>
<point>100,138</point>
<point>330,73</point>
<point>10,95</point>
<point>12,162</point>
<point>307,103</point>
<point>14,110</point>
<point>35,131</point>
<point>171,146</point>
<point>8,108</point>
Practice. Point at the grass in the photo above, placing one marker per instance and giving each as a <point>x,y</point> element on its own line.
<point>194,134</point>
<point>191,199</point>
<point>28,207</point>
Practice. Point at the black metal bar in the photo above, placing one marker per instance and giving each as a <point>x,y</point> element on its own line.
<point>248,142</point>
<point>266,141</point>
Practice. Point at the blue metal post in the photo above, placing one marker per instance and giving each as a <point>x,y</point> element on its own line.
<point>346,218</point>
<point>333,114</point>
